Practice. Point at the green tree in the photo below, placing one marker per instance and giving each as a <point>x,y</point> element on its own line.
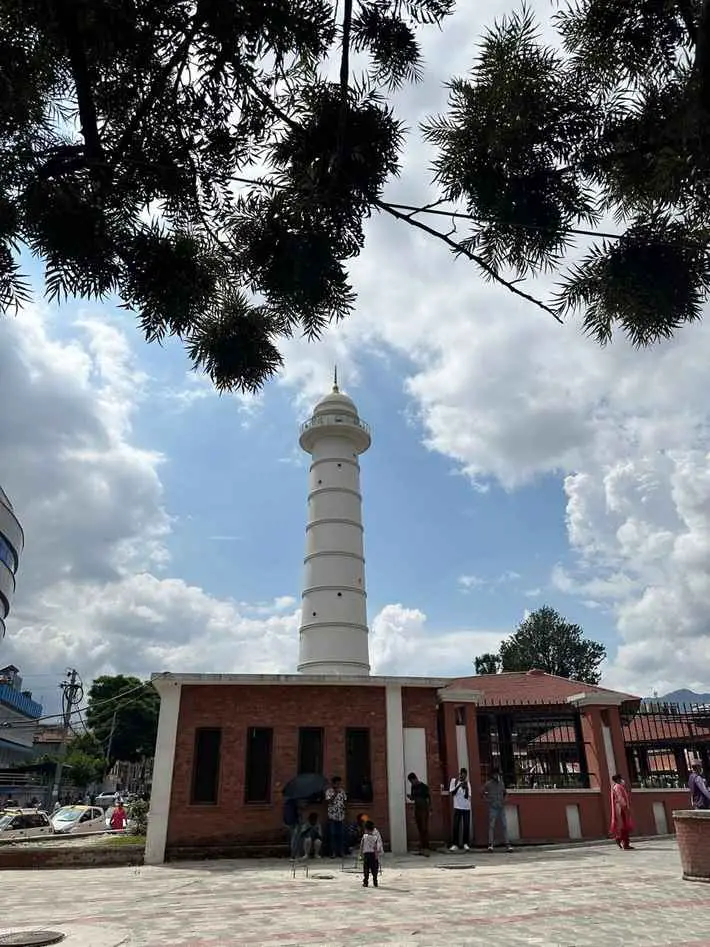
<point>545,640</point>
<point>85,743</point>
<point>84,761</point>
<point>81,769</point>
<point>122,714</point>
<point>127,130</point>
<point>125,126</point>
<point>543,143</point>
<point>487,663</point>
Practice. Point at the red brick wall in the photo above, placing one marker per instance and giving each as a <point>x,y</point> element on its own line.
<point>642,808</point>
<point>693,834</point>
<point>419,709</point>
<point>285,708</point>
<point>542,816</point>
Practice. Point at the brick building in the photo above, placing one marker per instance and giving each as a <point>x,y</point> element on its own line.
<point>227,744</point>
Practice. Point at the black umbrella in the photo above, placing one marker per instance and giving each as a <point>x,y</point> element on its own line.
<point>305,786</point>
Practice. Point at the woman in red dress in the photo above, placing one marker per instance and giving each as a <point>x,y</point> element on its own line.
<point>621,822</point>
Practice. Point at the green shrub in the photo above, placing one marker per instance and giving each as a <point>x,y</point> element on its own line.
<point>138,814</point>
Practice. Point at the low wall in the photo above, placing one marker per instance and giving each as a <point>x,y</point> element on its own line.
<point>535,817</point>
<point>70,857</point>
<point>538,816</point>
<point>653,809</point>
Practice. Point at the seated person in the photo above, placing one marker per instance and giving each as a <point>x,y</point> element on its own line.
<point>312,836</point>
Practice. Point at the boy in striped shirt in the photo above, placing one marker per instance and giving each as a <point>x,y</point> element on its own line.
<point>371,849</point>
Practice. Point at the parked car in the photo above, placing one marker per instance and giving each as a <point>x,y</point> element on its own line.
<point>70,819</point>
<point>108,799</point>
<point>23,823</point>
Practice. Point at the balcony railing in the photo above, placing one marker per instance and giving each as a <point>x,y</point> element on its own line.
<point>319,420</point>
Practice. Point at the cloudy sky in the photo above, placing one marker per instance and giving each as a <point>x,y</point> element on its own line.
<point>513,464</point>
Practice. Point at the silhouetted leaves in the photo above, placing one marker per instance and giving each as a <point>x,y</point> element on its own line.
<point>541,142</point>
<point>196,160</point>
<point>125,126</point>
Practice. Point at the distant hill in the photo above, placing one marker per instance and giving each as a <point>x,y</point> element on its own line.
<point>685,697</point>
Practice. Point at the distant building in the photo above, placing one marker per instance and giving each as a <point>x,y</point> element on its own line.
<point>18,719</point>
<point>48,739</point>
<point>12,541</point>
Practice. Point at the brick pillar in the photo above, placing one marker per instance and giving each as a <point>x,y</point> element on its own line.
<point>479,821</point>
<point>596,757</point>
<point>452,763</point>
<point>612,718</point>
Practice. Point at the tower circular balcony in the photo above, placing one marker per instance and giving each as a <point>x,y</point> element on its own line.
<point>336,424</point>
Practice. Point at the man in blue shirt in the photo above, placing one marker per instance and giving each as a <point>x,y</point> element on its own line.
<point>699,792</point>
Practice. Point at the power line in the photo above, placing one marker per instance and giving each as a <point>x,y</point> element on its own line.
<point>32,724</point>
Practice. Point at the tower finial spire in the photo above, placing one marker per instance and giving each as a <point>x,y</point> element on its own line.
<point>335,378</point>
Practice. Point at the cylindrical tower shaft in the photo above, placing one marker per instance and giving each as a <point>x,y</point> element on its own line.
<point>333,634</point>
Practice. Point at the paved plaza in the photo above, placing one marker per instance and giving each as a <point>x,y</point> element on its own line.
<point>593,896</point>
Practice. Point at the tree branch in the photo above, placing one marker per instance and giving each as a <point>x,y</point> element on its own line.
<point>429,209</point>
<point>69,24</point>
<point>269,104</point>
<point>344,79</point>
<point>156,87</point>
<point>685,9</point>
<point>702,57</point>
<point>457,248</point>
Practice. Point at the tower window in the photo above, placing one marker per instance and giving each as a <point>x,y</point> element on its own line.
<point>205,766</point>
<point>258,764</point>
<point>310,750</point>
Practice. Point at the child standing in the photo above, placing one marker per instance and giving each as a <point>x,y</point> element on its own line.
<point>371,848</point>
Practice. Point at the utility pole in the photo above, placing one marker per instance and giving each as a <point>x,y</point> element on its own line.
<point>72,695</point>
<point>110,739</point>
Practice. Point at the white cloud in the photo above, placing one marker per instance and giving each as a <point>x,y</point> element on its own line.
<point>401,643</point>
<point>507,394</point>
<point>495,385</point>
<point>92,590</point>
<point>471,582</point>
<point>468,582</point>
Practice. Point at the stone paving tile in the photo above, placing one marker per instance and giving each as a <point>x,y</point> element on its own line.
<point>578,897</point>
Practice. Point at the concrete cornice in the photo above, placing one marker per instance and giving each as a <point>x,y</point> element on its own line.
<point>448,696</point>
<point>598,699</point>
<point>328,680</point>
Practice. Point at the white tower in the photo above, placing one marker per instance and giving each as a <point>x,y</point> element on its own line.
<point>333,635</point>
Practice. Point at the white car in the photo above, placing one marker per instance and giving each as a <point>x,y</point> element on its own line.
<point>70,819</point>
<point>23,823</point>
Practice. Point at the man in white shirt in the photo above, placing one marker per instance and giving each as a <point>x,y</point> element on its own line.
<point>460,792</point>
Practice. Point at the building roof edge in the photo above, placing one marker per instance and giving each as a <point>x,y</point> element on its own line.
<point>295,679</point>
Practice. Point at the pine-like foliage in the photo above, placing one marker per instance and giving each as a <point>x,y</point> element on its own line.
<point>127,126</point>
<point>199,160</point>
<point>613,122</point>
